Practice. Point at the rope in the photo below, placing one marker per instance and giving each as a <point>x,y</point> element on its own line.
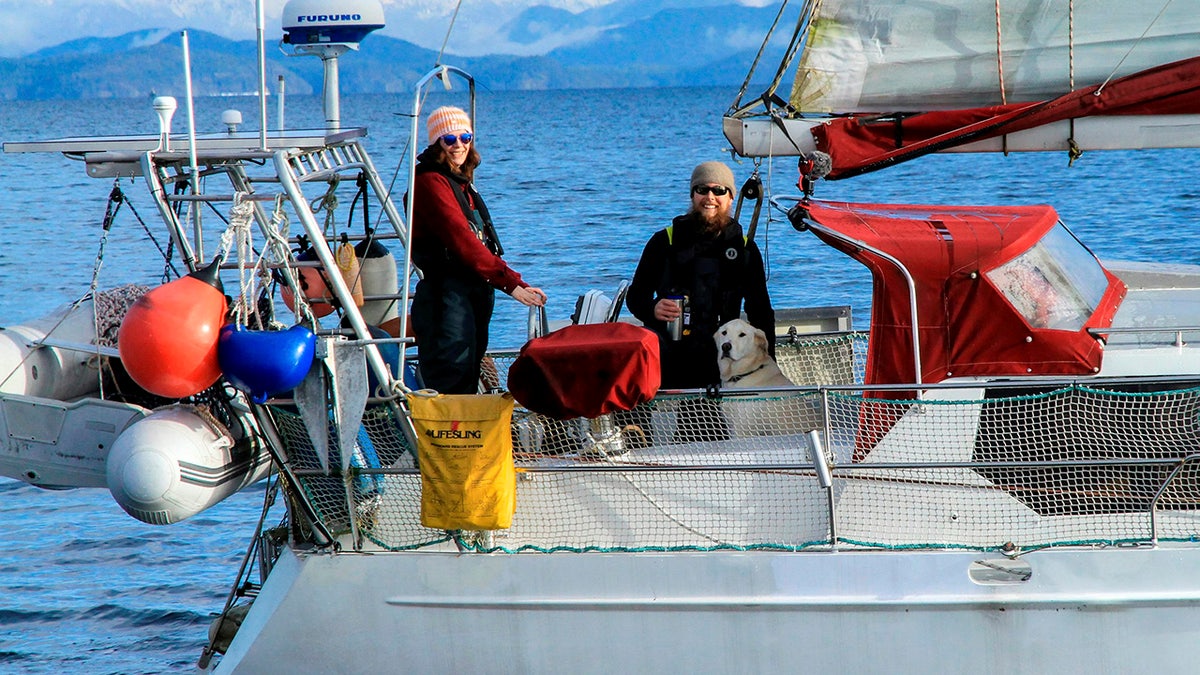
<point>1000,56</point>
<point>1074,152</point>
<point>277,240</point>
<point>328,203</point>
<point>238,235</point>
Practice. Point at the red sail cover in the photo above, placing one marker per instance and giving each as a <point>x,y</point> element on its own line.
<point>587,370</point>
<point>966,325</point>
<point>859,145</point>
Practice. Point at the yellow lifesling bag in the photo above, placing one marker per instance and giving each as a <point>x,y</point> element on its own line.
<point>468,481</point>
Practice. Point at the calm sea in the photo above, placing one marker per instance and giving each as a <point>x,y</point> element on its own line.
<point>577,181</point>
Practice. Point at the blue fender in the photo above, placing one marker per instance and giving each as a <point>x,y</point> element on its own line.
<point>264,363</point>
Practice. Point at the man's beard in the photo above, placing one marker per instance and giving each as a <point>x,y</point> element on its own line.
<point>714,220</point>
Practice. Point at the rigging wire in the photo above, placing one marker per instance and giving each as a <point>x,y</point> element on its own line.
<point>794,44</point>
<point>1138,41</point>
<point>737,101</point>
<point>1071,45</point>
<point>449,29</point>
<point>438,61</point>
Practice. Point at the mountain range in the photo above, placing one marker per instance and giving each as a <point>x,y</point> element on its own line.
<point>654,43</point>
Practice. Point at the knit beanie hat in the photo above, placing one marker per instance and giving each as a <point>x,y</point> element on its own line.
<point>447,119</point>
<point>713,173</point>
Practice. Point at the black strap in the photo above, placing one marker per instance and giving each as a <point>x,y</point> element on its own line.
<point>478,218</point>
<point>751,189</point>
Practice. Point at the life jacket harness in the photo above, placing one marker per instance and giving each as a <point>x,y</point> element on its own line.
<point>478,218</point>
<point>711,297</point>
<point>670,230</point>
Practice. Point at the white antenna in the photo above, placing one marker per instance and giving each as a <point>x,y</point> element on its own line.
<point>328,30</point>
<point>165,107</point>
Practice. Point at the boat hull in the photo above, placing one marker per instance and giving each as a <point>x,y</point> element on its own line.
<point>726,611</point>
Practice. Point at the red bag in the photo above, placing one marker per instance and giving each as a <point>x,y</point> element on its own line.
<point>587,370</point>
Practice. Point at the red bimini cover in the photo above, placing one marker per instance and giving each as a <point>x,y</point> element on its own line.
<point>587,370</point>
<point>967,325</point>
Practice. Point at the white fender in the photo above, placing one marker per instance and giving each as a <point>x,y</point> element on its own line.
<point>174,464</point>
<point>50,371</point>
<point>379,277</point>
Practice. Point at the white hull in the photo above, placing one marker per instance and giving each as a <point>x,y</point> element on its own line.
<point>916,612</point>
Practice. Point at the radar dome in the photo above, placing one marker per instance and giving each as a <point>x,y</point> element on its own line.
<point>317,22</point>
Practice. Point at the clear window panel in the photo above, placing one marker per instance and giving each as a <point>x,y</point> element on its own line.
<point>1056,284</point>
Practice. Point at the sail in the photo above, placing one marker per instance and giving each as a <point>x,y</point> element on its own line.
<point>951,74</point>
<point>917,55</point>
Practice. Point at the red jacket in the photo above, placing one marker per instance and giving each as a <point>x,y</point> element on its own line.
<point>443,236</point>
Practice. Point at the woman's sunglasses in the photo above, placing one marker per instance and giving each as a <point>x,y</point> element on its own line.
<point>451,139</point>
<point>718,190</point>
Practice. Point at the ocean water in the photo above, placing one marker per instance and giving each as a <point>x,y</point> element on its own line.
<point>577,181</point>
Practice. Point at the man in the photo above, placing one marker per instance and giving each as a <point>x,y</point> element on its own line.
<point>704,257</point>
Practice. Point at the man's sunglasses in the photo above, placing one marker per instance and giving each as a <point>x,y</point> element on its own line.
<point>451,139</point>
<point>718,190</point>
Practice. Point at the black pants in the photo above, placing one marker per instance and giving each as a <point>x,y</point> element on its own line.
<point>450,318</point>
<point>689,363</point>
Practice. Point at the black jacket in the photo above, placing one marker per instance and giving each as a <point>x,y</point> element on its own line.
<point>720,274</point>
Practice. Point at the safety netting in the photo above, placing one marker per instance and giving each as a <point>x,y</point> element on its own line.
<point>961,468</point>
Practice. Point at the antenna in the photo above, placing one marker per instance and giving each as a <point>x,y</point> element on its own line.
<point>328,30</point>
<point>165,107</point>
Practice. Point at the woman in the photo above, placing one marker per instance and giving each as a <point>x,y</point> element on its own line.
<point>456,247</point>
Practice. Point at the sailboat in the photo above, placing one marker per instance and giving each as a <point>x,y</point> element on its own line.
<point>1000,473</point>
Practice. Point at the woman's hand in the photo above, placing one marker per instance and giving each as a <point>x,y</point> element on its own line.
<point>529,296</point>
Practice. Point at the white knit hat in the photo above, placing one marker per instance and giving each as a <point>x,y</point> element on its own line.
<point>445,120</point>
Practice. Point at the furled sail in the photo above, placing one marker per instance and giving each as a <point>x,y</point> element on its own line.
<point>881,82</point>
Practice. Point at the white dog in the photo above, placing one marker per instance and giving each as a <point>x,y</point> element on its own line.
<point>743,358</point>
<point>745,364</point>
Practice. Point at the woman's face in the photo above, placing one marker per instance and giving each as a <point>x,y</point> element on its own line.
<point>457,145</point>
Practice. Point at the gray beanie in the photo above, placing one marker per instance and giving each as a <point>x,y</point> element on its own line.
<point>713,173</point>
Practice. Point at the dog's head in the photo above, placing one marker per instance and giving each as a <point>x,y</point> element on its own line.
<point>739,341</point>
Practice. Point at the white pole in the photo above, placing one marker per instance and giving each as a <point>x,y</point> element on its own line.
<point>262,73</point>
<point>194,207</point>
<point>333,108</point>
